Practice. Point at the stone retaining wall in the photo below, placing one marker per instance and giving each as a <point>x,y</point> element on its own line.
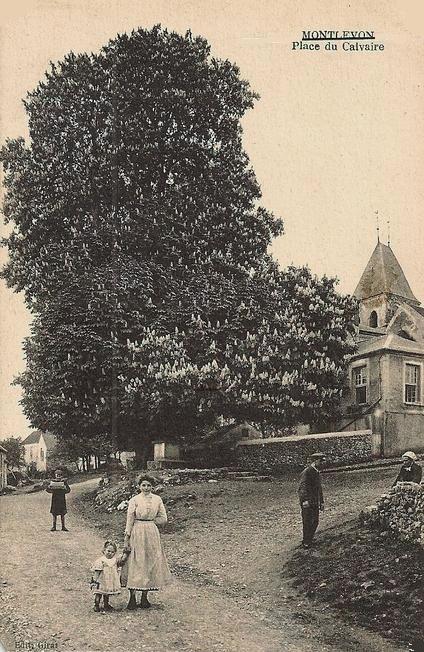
<point>276,455</point>
<point>400,511</point>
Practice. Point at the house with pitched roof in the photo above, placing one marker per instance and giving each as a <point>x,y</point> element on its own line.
<point>386,376</point>
<point>38,445</point>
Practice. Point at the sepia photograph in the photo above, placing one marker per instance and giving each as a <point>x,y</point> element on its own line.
<point>211,326</point>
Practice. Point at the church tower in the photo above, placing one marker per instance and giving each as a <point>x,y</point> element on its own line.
<point>385,391</point>
<point>382,289</point>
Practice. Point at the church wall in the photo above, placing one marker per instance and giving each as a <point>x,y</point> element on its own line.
<point>404,424</point>
<point>408,321</point>
<point>404,431</point>
<point>373,364</point>
<point>375,379</point>
<point>379,304</point>
<point>394,393</point>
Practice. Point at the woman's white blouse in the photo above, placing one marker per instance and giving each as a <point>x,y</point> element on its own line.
<point>147,508</point>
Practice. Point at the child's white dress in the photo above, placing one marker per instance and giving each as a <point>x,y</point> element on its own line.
<point>109,582</point>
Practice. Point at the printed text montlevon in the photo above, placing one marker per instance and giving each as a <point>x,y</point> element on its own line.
<point>335,34</point>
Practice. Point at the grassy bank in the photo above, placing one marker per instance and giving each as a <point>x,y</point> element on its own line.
<point>371,577</point>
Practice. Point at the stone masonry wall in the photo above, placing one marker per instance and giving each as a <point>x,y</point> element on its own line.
<point>276,455</point>
<point>400,511</point>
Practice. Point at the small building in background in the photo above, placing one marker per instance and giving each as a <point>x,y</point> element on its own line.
<point>218,446</point>
<point>166,455</point>
<point>3,468</point>
<point>38,446</point>
<point>164,450</point>
<point>127,459</point>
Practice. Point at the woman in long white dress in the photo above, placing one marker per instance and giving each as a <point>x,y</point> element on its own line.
<point>147,566</point>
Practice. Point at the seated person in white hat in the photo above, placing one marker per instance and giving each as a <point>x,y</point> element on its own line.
<point>410,471</point>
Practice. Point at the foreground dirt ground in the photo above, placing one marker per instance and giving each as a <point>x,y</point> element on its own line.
<point>384,593</point>
<point>227,544</point>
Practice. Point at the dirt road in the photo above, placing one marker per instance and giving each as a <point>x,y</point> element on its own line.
<point>45,602</point>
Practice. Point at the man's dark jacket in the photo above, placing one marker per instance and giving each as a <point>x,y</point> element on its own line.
<point>310,487</point>
<point>411,473</point>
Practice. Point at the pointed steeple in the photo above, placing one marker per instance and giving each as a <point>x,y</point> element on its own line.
<point>383,275</point>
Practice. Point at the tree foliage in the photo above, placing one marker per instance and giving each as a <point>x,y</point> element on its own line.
<point>15,452</point>
<point>139,243</point>
<point>135,153</point>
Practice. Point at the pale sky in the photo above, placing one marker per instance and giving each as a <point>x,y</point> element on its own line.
<point>335,137</point>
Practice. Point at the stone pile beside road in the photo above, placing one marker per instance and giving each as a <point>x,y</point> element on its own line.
<point>116,496</point>
<point>400,511</point>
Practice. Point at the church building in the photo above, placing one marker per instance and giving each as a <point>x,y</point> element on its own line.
<point>386,375</point>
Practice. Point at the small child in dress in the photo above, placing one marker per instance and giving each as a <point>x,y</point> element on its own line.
<point>58,488</point>
<point>105,580</point>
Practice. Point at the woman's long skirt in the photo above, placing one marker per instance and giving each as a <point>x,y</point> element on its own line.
<point>147,566</point>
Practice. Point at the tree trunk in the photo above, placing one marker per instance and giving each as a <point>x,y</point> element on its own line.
<point>143,452</point>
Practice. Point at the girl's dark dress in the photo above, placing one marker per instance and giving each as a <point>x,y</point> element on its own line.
<point>58,506</point>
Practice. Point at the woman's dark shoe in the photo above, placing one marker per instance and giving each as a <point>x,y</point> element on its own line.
<point>144,604</point>
<point>53,529</point>
<point>108,607</point>
<point>132,604</point>
<point>65,529</point>
<point>96,607</point>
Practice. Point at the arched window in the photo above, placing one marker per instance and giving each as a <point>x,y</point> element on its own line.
<point>373,322</point>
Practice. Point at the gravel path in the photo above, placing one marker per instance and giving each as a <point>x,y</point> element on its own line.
<point>45,602</point>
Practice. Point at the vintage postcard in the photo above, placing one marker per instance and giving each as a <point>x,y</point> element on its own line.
<point>211,325</point>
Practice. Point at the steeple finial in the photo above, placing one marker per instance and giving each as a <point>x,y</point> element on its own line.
<point>388,232</point>
<point>378,227</point>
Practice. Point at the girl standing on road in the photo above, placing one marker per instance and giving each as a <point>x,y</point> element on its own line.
<point>105,580</point>
<point>58,488</point>
<point>147,566</point>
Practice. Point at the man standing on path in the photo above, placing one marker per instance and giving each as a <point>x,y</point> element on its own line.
<point>311,498</point>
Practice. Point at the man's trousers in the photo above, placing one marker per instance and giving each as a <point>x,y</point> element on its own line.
<point>310,519</point>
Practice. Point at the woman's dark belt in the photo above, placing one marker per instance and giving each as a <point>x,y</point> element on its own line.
<point>146,520</point>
